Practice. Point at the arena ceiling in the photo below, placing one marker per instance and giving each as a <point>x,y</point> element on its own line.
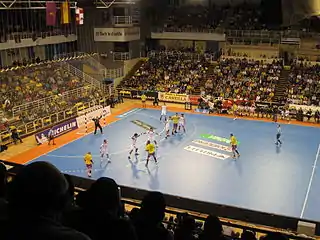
<point>296,10</point>
<point>31,4</point>
<point>221,2</point>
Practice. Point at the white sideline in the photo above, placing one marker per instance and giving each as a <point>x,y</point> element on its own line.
<point>310,182</point>
<point>66,144</point>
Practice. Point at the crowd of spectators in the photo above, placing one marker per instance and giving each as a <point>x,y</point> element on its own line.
<point>39,203</point>
<point>304,85</point>
<point>243,79</point>
<point>174,73</point>
<point>204,18</point>
<point>27,84</point>
<point>229,78</point>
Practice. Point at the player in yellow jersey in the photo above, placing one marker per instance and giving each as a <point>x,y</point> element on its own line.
<point>175,119</point>
<point>144,99</point>
<point>151,149</point>
<point>234,146</point>
<point>88,161</point>
<point>235,111</point>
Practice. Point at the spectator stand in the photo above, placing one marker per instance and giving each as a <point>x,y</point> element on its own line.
<point>304,85</point>
<point>186,73</point>
<point>34,122</point>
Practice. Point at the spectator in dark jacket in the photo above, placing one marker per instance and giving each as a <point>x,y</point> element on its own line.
<point>37,197</point>
<point>212,229</point>
<point>149,221</point>
<point>185,229</point>
<point>99,214</point>
<point>3,191</point>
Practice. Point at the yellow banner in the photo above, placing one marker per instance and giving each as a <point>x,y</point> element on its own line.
<point>173,97</point>
<point>65,12</point>
<point>125,92</point>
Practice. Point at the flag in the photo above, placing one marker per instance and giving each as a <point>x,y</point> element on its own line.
<point>51,13</point>
<point>65,12</point>
<point>79,16</point>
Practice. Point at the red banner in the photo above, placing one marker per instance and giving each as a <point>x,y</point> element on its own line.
<point>194,99</point>
<point>51,13</point>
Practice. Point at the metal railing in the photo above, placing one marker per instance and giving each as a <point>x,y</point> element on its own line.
<point>25,35</point>
<point>77,92</point>
<point>186,55</point>
<point>83,76</point>
<point>55,118</point>
<point>242,33</point>
<point>187,29</point>
<point>122,20</point>
<point>103,72</point>
<point>97,79</point>
<point>121,56</point>
<point>114,73</point>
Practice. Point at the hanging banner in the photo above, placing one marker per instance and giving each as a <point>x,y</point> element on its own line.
<point>79,16</point>
<point>65,12</point>
<point>51,13</point>
<point>173,97</point>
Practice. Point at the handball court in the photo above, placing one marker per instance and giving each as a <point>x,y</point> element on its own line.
<point>198,165</point>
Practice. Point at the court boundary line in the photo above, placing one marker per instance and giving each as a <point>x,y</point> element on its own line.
<point>52,150</point>
<point>84,135</point>
<point>310,182</point>
<point>115,153</point>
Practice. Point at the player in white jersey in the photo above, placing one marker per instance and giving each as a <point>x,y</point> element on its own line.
<point>163,112</point>
<point>182,123</point>
<point>104,151</point>
<point>167,128</point>
<point>134,147</point>
<point>151,136</point>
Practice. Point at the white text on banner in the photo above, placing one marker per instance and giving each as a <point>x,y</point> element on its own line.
<point>173,97</point>
<point>104,112</point>
<point>305,108</point>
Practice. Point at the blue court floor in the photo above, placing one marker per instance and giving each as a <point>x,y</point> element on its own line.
<point>281,180</point>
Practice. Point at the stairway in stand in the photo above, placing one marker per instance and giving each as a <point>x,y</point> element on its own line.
<point>282,85</point>
<point>210,72</point>
<point>132,72</point>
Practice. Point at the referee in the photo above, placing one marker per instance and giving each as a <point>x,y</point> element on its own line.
<point>278,142</point>
<point>51,137</point>
<point>97,124</point>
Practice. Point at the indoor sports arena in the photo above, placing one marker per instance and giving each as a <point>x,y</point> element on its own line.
<point>166,120</point>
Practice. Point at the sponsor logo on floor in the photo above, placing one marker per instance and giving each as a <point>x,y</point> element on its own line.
<point>127,113</point>
<point>205,111</point>
<point>206,152</point>
<point>142,124</point>
<point>212,145</point>
<point>216,138</point>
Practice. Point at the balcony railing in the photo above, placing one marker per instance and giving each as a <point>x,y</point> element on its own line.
<point>122,20</point>
<point>121,56</point>
<point>55,118</point>
<point>77,92</point>
<point>243,33</point>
